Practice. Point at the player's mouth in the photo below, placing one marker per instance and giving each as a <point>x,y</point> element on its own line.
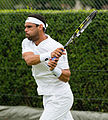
<point>27,35</point>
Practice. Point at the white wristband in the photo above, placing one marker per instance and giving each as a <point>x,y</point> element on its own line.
<point>57,71</point>
<point>45,56</point>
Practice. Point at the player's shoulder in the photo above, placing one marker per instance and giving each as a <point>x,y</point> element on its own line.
<point>54,43</point>
<point>26,41</point>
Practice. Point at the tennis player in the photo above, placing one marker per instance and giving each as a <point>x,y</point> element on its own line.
<point>51,76</point>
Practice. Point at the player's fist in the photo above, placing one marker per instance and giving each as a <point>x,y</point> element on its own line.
<point>53,63</point>
<point>58,52</point>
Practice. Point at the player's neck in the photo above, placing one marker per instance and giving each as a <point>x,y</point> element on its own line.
<point>41,38</point>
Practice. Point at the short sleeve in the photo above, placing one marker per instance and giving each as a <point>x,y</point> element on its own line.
<point>26,47</point>
<point>63,62</point>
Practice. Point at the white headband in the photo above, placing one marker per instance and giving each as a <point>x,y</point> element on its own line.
<point>36,21</point>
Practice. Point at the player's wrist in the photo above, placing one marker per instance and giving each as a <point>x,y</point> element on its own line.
<point>57,72</point>
<point>45,56</point>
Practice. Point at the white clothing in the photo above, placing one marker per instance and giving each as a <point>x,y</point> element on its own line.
<point>57,107</point>
<point>57,95</point>
<point>48,84</point>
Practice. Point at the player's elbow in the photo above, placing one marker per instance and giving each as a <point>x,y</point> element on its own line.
<point>28,62</point>
<point>69,74</point>
<point>65,78</point>
<point>68,77</point>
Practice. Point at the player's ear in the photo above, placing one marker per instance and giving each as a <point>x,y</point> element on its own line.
<point>40,27</point>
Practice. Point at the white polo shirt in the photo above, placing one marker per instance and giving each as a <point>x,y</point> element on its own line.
<point>48,84</point>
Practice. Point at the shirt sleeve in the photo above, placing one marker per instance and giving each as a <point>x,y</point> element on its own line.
<point>26,46</point>
<point>63,62</point>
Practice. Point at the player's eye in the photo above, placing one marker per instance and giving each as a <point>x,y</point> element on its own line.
<point>29,26</point>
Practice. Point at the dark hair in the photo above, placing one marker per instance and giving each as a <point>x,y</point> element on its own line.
<point>41,18</point>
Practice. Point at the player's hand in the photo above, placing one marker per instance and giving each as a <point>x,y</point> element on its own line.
<point>53,63</point>
<point>58,52</point>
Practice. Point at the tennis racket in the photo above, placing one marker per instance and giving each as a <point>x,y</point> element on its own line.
<point>80,29</point>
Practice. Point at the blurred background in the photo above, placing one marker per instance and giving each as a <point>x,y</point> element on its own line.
<point>54,4</point>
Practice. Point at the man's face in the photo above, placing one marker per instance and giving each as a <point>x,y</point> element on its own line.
<point>31,31</point>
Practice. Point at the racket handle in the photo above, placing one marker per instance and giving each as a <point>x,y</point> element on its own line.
<point>55,57</point>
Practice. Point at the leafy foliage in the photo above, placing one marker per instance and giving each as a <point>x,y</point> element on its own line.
<point>51,4</point>
<point>87,58</point>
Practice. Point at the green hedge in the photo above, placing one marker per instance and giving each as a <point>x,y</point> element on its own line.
<point>87,58</point>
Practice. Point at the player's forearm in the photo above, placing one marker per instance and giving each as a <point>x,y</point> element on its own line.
<point>65,76</point>
<point>32,59</point>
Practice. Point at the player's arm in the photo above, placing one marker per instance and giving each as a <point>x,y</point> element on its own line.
<point>65,76</point>
<point>62,74</point>
<point>31,58</point>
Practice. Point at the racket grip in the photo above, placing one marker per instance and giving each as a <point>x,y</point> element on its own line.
<point>55,57</point>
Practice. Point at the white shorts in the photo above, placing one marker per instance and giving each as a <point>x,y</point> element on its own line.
<point>57,107</point>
